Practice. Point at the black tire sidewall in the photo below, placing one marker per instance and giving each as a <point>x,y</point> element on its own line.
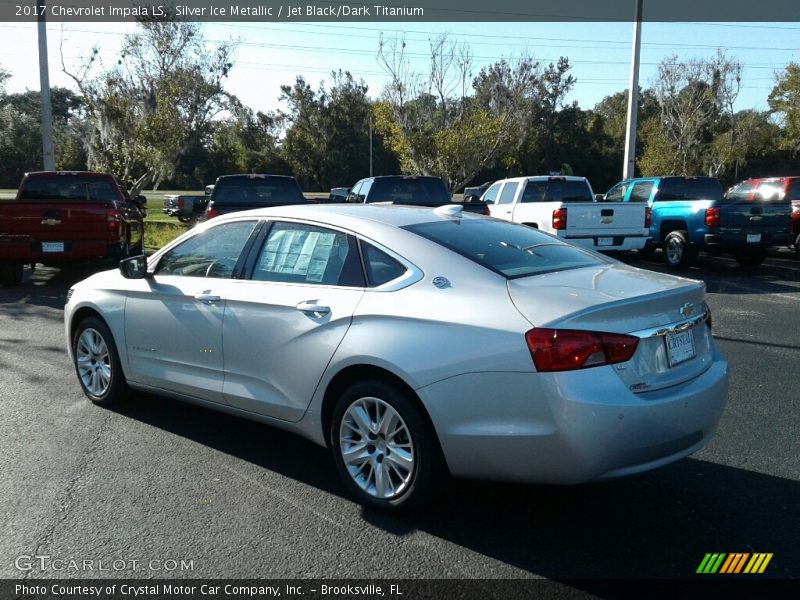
<point>428,473</point>
<point>116,390</point>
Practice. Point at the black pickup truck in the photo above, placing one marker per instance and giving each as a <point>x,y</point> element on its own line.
<point>243,192</point>
<point>412,190</point>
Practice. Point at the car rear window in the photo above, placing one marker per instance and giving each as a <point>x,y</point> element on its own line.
<point>700,188</point>
<point>257,191</point>
<point>409,190</point>
<point>509,249</point>
<point>557,190</point>
<point>69,187</point>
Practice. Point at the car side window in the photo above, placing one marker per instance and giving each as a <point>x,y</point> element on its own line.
<point>793,193</point>
<point>380,267</point>
<point>353,195</point>
<point>490,195</point>
<point>211,253</point>
<point>769,192</point>
<point>617,193</point>
<point>364,191</point>
<point>641,191</point>
<point>740,193</point>
<point>307,254</point>
<point>508,193</point>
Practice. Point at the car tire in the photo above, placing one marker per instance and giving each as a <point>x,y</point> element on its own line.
<point>750,259</point>
<point>184,219</point>
<point>97,364</point>
<point>399,464</point>
<point>678,252</point>
<point>10,273</point>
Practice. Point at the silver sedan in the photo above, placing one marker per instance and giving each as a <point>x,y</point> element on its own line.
<point>414,343</point>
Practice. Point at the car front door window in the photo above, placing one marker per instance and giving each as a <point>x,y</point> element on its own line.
<point>211,253</point>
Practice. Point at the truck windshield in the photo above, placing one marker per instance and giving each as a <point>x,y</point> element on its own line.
<point>257,190</point>
<point>508,249</point>
<point>68,187</point>
<point>409,190</point>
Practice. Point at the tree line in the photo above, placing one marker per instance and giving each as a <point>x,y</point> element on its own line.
<point>161,117</point>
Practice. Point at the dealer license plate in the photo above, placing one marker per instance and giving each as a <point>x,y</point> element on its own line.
<point>680,347</point>
<point>605,241</point>
<point>753,238</point>
<point>52,246</point>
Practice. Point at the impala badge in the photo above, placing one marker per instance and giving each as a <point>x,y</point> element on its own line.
<point>51,222</point>
<point>687,310</point>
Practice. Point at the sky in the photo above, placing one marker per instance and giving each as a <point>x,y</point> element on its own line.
<point>269,55</point>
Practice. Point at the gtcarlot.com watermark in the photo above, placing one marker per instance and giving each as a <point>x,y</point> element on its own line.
<point>46,563</point>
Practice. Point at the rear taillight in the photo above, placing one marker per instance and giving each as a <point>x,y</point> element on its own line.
<point>211,213</point>
<point>570,349</point>
<point>648,216</point>
<point>113,219</point>
<point>560,218</point>
<point>181,203</point>
<point>712,217</point>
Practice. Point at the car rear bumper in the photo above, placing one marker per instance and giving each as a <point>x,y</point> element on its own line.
<point>715,241</point>
<point>568,428</point>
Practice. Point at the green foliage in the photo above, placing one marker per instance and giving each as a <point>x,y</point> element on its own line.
<point>784,100</point>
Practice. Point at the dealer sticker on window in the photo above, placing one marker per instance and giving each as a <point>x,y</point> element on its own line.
<point>680,347</point>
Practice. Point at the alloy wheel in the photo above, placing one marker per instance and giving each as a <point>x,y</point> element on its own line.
<point>94,362</point>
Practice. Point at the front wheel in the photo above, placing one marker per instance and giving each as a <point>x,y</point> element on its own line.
<point>678,253</point>
<point>97,362</point>
<point>384,447</point>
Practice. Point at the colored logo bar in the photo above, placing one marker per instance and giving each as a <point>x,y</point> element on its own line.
<point>736,562</point>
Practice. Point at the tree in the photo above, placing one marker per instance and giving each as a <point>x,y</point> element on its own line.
<point>784,101</point>
<point>154,104</point>
<point>431,122</point>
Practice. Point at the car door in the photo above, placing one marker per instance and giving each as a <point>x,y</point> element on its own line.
<point>173,320</point>
<point>283,325</point>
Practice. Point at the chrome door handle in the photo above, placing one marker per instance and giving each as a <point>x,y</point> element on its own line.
<point>311,306</point>
<point>207,297</point>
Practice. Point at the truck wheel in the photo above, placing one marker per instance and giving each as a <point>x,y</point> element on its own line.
<point>97,363</point>
<point>10,273</point>
<point>678,253</point>
<point>184,219</point>
<point>384,448</point>
<point>750,259</point>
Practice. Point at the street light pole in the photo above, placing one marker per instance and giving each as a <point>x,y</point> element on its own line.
<point>629,166</point>
<point>370,145</point>
<point>48,150</point>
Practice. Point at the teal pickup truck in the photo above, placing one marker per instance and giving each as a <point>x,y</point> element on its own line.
<point>690,214</point>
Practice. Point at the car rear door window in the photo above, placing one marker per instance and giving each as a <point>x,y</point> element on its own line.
<point>508,193</point>
<point>211,253</point>
<point>641,191</point>
<point>793,193</point>
<point>617,193</point>
<point>307,254</point>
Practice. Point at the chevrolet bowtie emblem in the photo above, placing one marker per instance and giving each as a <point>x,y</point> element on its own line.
<point>51,222</point>
<point>756,218</point>
<point>687,310</point>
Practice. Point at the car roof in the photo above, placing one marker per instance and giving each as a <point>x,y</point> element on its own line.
<point>543,178</point>
<point>352,216</point>
<point>253,176</point>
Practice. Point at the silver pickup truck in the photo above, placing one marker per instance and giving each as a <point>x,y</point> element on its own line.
<point>565,206</point>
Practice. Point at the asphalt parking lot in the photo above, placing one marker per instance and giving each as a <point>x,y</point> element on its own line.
<point>159,481</point>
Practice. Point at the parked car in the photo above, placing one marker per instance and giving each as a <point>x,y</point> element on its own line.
<point>690,214</point>
<point>338,194</point>
<point>772,189</point>
<point>475,192</point>
<point>412,343</point>
<point>233,193</point>
<point>68,216</point>
<point>186,207</point>
<point>565,206</point>
<point>410,190</point>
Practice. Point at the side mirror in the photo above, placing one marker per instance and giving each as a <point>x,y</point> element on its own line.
<point>599,197</point>
<point>134,267</point>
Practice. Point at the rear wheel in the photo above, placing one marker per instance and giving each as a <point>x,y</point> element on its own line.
<point>750,259</point>
<point>10,273</point>
<point>96,360</point>
<point>384,447</point>
<point>678,253</point>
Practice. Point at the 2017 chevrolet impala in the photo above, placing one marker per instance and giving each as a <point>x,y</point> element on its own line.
<point>413,343</point>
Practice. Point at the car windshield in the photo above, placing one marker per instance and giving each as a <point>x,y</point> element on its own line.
<point>409,190</point>
<point>257,190</point>
<point>509,249</point>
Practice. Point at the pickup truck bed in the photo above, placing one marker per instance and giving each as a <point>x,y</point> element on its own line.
<point>565,207</point>
<point>61,217</point>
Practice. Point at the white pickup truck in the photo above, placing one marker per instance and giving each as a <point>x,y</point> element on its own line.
<point>565,206</point>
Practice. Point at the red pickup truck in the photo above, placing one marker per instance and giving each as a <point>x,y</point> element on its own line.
<point>68,216</point>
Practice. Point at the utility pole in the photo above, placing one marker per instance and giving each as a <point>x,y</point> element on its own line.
<point>370,145</point>
<point>48,151</point>
<point>629,165</point>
